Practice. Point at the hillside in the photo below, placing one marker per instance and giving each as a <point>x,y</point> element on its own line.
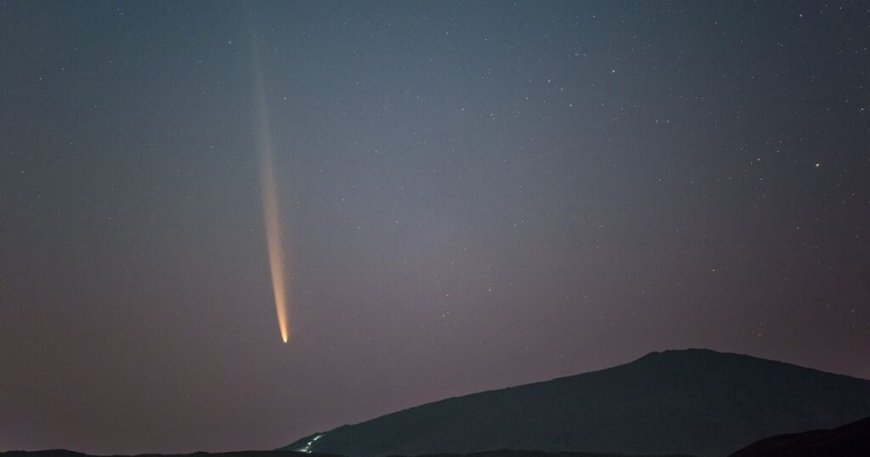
<point>696,401</point>
<point>852,440</point>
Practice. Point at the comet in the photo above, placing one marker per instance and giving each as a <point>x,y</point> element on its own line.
<point>269,193</point>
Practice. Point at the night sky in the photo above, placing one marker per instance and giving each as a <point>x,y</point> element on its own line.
<point>471,195</point>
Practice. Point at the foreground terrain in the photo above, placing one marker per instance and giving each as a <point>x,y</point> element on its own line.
<point>846,441</point>
<point>691,402</point>
<point>851,440</point>
<point>677,403</point>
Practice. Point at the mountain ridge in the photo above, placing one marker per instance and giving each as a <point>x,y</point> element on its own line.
<point>848,440</point>
<point>557,378</point>
<point>274,453</point>
<point>640,394</point>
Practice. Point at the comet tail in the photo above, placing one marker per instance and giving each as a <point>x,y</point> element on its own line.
<point>271,215</point>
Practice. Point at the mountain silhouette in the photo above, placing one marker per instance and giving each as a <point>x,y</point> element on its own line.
<point>696,401</point>
<point>68,453</point>
<point>852,440</point>
<point>276,453</point>
<point>515,453</point>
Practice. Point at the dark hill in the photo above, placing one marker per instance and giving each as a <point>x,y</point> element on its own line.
<point>66,453</point>
<point>694,401</point>
<point>515,453</point>
<point>500,453</point>
<point>852,440</point>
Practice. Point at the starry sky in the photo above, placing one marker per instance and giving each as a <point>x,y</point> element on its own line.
<point>472,195</point>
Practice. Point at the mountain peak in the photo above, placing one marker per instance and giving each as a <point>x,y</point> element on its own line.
<point>689,401</point>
